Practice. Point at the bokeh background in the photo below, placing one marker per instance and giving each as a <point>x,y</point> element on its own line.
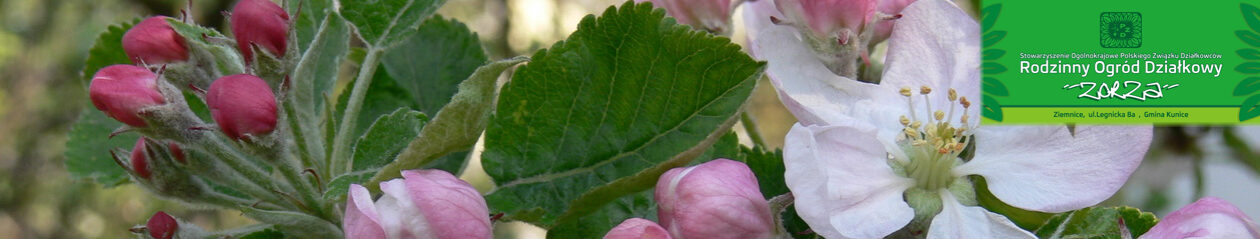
<point>43,44</point>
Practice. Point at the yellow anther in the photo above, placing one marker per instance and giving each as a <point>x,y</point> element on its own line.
<point>905,121</point>
<point>940,115</point>
<point>953,95</point>
<point>905,91</point>
<point>925,90</point>
<point>959,146</point>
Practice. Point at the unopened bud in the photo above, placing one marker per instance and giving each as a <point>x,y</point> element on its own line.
<point>153,41</point>
<point>422,204</point>
<point>716,199</point>
<point>242,105</point>
<point>162,226</point>
<point>261,23</point>
<point>122,91</point>
<point>711,15</point>
<point>637,228</point>
<point>829,18</point>
<point>1208,217</point>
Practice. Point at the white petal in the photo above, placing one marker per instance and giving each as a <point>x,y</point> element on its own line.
<point>843,185</point>
<point>812,92</point>
<point>1045,168</point>
<point>400,217</point>
<point>934,44</point>
<point>960,221</point>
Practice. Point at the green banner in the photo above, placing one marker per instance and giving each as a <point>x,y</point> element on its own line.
<point>1121,62</point>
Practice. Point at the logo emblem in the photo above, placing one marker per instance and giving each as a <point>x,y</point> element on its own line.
<point>1120,30</point>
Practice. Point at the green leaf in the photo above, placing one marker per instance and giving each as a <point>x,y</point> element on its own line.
<point>993,38</point>
<point>1248,67</point>
<point>994,87</point>
<point>456,126</point>
<point>386,138</point>
<point>318,67</point>
<point>1028,220</point>
<point>1251,15</point>
<point>338,186</point>
<point>993,54</point>
<point>990,108</point>
<point>383,97</point>
<point>993,68</point>
<point>597,224</point>
<point>264,234</point>
<point>432,63</point>
<point>605,112</point>
<point>1248,37</point>
<point>1249,54</point>
<point>308,16</point>
<point>1098,222</point>
<point>87,149</point>
<point>294,224</point>
<point>1247,86</point>
<point>988,16</point>
<point>1249,109</point>
<point>256,231</point>
<point>107,50</point>
<point>224,56</point>
<point>381,23</point>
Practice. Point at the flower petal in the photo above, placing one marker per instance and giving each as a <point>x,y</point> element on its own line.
<point>960,221</point>
<point>808,89</point>
<point>1046,168</point>
<point>716,199</point>
<point>934,44</point>
<point>843,185</point>
<point>400,216</point>
<point>1209,217</point>
<point>361,220</point>
<point>453,208</point>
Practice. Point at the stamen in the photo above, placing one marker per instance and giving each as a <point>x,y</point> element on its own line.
<point>953,95</point>
<point>939,115</point>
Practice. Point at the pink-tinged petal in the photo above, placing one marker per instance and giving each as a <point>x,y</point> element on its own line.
<point>122,91</point>
<point>153,41</point>
<point>959,221</point>
<point>139,160</point>
<point>361,219</point>
<point>935,44</point>
<point>453,208</point>
<point>808,89</point>
<point>241,105</point>
<point>400,216</point>
<point>828,17</point>
<point>713,15</point>
<point>1046,168</point>
<point>883,29</point>
<point>637,228</point>
<point>716,199</point>
<point>843,185</point>
<point>1209,217</point>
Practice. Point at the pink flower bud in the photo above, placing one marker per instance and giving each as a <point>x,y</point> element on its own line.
<point>153,41</point>
<point>242,105</point>
<point>162,226</point>
<point>711,15</point>
<point>883,28</point>
<point>1209,217</point>
<point>423,204</point>
<point>262,23</point>
<point>717,199</point>
<point>637,228</point>
<point>829,18</point>
<point>121,91</point>
<point>140,160</point>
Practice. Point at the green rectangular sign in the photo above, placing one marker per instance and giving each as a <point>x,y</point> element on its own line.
<point>1121,62</point>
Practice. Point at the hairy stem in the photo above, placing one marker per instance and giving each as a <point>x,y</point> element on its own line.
<point>339,161</point>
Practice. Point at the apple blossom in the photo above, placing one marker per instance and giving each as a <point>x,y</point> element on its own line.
<point>242,105</point>
<point>867,160</point>
<point>423,204</point>
<point>162,226</point>
<point>153,41</point>
<point>711,15</point>
<point>716,199</point>
<point>261,23</point>
<point>123,91</point>
<point>637,228</point>
<point>1208,217</point>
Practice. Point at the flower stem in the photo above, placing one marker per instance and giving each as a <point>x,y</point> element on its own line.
<point>339,161</point>
<point>750,127</point>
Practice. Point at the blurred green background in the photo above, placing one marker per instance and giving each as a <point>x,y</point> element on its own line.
<point>43,44</point>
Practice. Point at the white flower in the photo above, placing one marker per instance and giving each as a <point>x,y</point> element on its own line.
<point>861,150</point>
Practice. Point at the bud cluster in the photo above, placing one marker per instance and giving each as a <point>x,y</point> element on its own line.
<point>239,79</point>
